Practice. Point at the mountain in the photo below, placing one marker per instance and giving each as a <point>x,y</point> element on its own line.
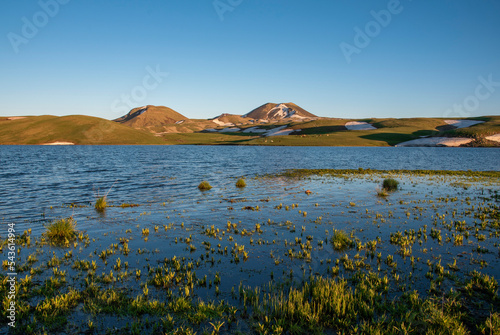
<point>152,118</point>
<point>272,111</point>
<point>75,129</point>
<point>230,120</point>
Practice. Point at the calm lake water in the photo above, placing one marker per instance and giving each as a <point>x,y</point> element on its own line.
<point>33,178</point>
<point>269,230</point>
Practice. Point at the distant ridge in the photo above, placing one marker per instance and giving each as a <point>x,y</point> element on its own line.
<point>151,117</point>
<point>74,129</point>
<point>273,111</point>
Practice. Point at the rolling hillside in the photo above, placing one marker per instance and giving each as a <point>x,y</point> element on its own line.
<point>77,129</point>
<point>152,118</point>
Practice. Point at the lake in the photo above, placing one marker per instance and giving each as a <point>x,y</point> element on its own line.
<point>33,178</point>
<point>162,240</point>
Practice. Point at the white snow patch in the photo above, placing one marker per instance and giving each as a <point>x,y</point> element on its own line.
<point>230,130</point>
<point>495,137</point>
<point>254,130</point>
<point>462,123</point>
<point>279,131</point>
<point>141,111</point>
<point>436,142</point>
<point>283,132</point>
<point>211,130</point>
<point>220,123</point>
<point>179,122</point>
<point>59,143</point>
<point>356,125</point>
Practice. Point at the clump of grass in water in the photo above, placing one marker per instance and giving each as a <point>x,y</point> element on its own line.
<point>382,192</point>
<point>204,186</point>
<point>101,203</point>
<point>390,184</point>
<point>61,231</point>
<point>340,240</point>
<point>241,183</point>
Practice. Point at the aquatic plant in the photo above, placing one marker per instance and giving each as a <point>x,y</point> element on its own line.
<point>382,192</point>
<point>340,240</point>
<point>241,183</point>
<point>101,203</point>
<point>204,186</point>
<point>61,231</point>
<point>390,184</point>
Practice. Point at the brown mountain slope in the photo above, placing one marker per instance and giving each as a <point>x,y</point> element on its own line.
<point>151,118</point>
<point>77,129</point>
<point>272,111</point>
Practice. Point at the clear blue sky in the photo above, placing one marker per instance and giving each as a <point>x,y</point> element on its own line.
<point>86,55</point>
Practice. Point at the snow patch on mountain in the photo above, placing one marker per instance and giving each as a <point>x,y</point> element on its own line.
<point>355,125</point>
<point>462,123</point>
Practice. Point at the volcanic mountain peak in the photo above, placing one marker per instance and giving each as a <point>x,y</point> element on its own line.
<point>272,111</point>
<point>151,116</point>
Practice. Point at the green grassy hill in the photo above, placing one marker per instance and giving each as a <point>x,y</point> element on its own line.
<point>332,132</point>
<point>78,129</point>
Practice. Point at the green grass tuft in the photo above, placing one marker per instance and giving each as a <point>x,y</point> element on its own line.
<point>382,192</point>
<point>101,203</point>
<point>340,240</point>
<point>61,231</point>
<point>204,186</point>
<point>241,183</point>
<point>390,184</point>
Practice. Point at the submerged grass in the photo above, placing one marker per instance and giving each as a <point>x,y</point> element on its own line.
<point>368,288</point>
<point>61,231</point>
<point>340,240</point>
<point>241,183</point>
<point>298,173</point>
<point>204,186</point>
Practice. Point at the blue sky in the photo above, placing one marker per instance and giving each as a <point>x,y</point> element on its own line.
<point>411,58</point>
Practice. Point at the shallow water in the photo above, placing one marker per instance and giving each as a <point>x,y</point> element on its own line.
<point>33,178</point>
<point>39,184</point>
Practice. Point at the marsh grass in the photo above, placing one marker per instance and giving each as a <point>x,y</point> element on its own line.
<point>241,183</point>
<point>382,192</point>
<point>61,231</point>
<point>204,186</point>
<point>340,240</point>
<point>101,203</point>
<point>390,184</point>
